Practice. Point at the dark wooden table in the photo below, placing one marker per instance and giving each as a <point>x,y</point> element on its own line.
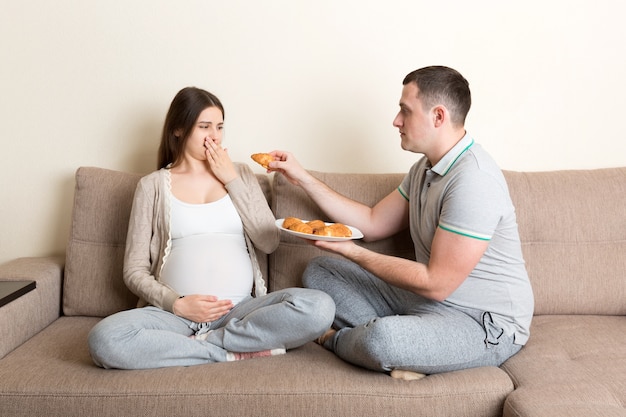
<point>11,290</point>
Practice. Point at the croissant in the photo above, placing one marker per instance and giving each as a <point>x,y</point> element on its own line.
<point>262,159</point>
<point>340,230</point>
<point>323,231</point>
<point>302,228</point>
<point>316,224</point>
<point>316,227</point>
<point>290,221</point>
<point>334,230</point>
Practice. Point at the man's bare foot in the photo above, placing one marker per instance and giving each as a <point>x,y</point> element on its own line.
<point>406,375</point>
<point>323,338</point>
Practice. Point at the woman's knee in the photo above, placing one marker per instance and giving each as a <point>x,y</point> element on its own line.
<point>324,309</point>
<point>317,306</point>
<point>106,341</point>
<point>101,344</point>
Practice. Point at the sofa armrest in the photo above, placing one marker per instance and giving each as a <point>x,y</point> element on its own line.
<point>26,316</point>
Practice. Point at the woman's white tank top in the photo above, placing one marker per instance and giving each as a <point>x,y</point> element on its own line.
<point>208,253</point>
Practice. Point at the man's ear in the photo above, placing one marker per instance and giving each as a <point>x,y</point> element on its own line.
<point>440,114</point>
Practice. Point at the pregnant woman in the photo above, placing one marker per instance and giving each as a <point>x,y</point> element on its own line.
<point>190,258</point>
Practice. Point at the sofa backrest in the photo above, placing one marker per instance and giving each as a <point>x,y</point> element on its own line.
<point>573,230</point>
<point>572,225</point>
<point>93,284</point>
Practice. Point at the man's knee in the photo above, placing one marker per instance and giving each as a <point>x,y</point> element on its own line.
<point>370,345</point>
<point>377,339</point>
<point>316,271</point>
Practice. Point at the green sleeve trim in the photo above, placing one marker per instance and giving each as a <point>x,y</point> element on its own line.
<point>406,197</point>
<point>465,233</point>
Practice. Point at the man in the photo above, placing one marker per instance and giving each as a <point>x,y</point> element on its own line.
<point>466,301</point>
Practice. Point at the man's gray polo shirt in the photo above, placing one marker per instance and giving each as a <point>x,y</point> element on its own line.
<point>466,193</point>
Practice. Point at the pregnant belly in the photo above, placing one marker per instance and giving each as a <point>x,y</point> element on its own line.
<point>216,265</point>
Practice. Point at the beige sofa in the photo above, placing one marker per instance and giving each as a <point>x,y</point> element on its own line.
<point>573,227</point>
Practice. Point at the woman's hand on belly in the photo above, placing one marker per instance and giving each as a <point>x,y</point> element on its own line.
<point>201,308</point>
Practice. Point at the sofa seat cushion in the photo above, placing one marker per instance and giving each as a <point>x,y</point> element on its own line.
<point>571,366</point>
<point>52,375</point>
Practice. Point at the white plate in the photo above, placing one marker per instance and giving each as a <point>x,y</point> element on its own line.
<point>356,233</point>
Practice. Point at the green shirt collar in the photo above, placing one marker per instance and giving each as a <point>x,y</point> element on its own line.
<point>445,164</point>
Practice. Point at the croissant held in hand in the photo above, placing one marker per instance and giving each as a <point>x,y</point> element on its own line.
<point>262,159</point>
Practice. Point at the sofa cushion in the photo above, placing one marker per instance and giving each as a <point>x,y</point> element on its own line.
<point>571,366</point>
<point>573,232</point>
<point>288,262</point>
<point>52,375</point>
<point>93,283</point>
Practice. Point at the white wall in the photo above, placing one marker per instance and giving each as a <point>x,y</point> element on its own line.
<point>88,83</point>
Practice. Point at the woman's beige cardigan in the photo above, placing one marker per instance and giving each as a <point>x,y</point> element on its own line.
<point>148,242</point>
